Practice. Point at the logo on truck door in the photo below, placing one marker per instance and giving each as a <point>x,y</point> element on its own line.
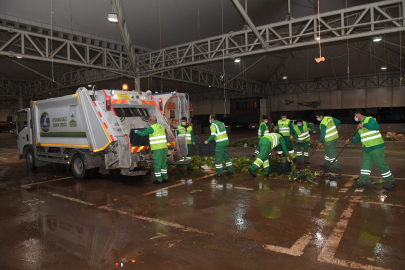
<point>72,122</point>
<point>45,122</point>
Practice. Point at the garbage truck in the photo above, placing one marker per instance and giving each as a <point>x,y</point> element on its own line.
<point>94,129</point>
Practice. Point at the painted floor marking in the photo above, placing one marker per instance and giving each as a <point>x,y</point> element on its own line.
<point>176,185</point>
<point>332,204</point>
<point>153,192</point>
<point>163,222</point>
<point>328,252</point>
<point>377,203</point>
<point>38,183</point>
<point>158,236</point>
<point>243,188</point>
<point>296,250</point>
<point>359,190</point>
<point>343,190</point>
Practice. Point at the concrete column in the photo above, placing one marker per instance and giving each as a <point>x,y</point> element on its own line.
<point>265,109</point>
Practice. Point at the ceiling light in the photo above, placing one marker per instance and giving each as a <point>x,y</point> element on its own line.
<point>284,77</point>
<point>209,85</point>
<point>383,67</point>
<point>19,56</point>
<point>113,17</point>
<point>125,87</point>
<point>377,38</point>
<point>318,38</point>
<point>236,60</point>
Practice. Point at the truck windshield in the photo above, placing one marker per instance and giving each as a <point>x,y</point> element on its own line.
<point>22,120</point>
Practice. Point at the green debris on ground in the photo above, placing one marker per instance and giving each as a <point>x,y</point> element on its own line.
<point>195,190</point>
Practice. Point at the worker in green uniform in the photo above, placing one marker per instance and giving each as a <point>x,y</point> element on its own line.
<point>329,135</point>
<point>285,128</point>
<point>186,129</point>
<point>264,129</point>
<point>267,143</point>
<point>158,145</point>
<point>218,133</point>
<point>302,138</point>
<point>373,145</point>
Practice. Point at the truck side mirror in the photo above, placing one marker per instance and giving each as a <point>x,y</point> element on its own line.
<point>10,124</point>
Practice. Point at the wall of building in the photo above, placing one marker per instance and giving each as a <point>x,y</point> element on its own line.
<point>216,106</point>
<point>343,99</point>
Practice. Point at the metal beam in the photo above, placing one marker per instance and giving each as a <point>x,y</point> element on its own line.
<point>279,36</point>
<point>251,24</point>
<point>282,68</point>
<point>340,83</point>
<point>130,48</point>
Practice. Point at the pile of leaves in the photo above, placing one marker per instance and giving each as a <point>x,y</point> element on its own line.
<point>392,136</point>
<point>304,175</point>
<point>241,143</point>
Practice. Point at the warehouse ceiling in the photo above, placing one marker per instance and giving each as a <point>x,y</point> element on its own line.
<point>155,24</point>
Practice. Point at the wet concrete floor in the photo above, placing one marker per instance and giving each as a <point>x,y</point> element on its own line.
<point>58,222</point>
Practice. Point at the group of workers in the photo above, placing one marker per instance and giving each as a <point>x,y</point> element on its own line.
<point>280,137</point>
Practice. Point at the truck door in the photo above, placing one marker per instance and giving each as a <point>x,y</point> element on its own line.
<point>23,130</point>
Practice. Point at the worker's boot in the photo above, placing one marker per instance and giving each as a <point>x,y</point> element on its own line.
<point>334,170</point>
<point>229,173</point>
<point>359,185</point>
<point>219,175</point>
<point>252,172</point>
<point>306,162</point>
<point>156,182</point>
<point>253,156</point>
<point>165,181</point>
<point>298,163</point>
<point>389,185</point>
<point>190,169</point>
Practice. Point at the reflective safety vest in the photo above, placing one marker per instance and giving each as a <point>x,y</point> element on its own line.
<point>158,138</point>
<point>368,137</point>
<point>220,133</point>
<point>181,130</point>
<point>304,135</point>
<point>260,129</point>
<point>274,138</point>
<point>331,131</point>
<point>284,127</point>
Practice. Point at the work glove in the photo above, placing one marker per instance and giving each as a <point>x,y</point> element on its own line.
<point>193,143</point>
<point>319,144</point>
<point>136,131</point>
<point>314,132</point>
<point>291,138</point>
<point>206,142</point>
<point>288,159</point>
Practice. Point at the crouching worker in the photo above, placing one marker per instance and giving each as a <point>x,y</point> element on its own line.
<point>218,133</point>
<point>267,143</point>
<point>158,145</point>
<point>186,129</point>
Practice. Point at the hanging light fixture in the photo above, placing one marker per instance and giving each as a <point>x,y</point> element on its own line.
<point>383,67</point>
<point>377,38</point>
<point>236,60</point>
<point>284,77</point>
<point>113,17</point>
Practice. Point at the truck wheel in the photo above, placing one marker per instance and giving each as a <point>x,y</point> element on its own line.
<point>78,167</point>
<point>30,159</point>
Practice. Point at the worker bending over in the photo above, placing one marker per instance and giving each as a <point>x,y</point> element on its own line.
<point>302,138</point>
<point>373,145</point>
<point>187,129</point>
<point>218,133</point>
<point>158,145</point>
<point>285,128</point>
<point>267,143</point>
<point>329,135</point>
<point>264,129</point>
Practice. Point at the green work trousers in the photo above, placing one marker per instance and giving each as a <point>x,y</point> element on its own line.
<point>222,152</point>
<point>188,155</point>
<point>330,154</point>
<point>288,145</point>
<point>160,164</point>
<point>257,151</point>
<point>263,159</point>
<point>305,145</point>
<point>369,158</point>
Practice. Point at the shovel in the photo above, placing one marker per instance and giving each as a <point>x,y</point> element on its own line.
<point>330,164</point>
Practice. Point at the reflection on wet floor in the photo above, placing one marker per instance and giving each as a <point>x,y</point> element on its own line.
<point>195,222</point>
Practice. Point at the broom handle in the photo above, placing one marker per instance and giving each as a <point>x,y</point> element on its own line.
<point>330,164</point>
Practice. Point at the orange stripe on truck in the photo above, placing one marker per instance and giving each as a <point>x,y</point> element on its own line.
<point>119,101</point>
<point>136,149</point>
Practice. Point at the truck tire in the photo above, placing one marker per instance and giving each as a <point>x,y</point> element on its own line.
<point>78,167</point>
<point>30,159</point>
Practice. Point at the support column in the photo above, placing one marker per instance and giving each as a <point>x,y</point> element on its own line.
<point>20,100</point>
<point>265,109</point>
